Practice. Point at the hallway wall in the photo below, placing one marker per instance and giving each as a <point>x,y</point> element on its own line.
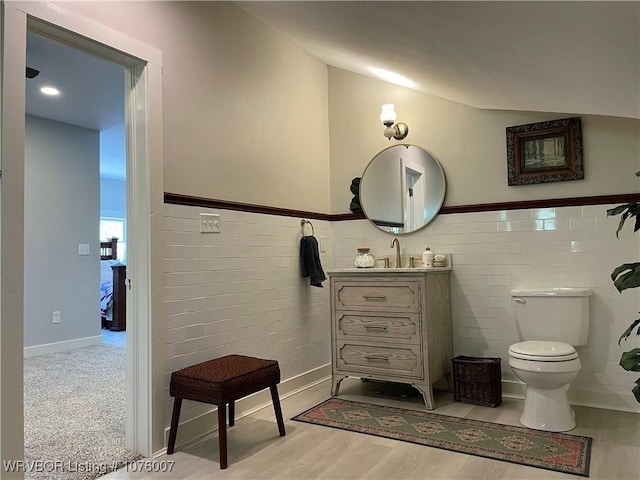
<point>61,212</point>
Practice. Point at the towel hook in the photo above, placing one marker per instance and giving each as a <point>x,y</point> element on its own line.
<point>304,222</point>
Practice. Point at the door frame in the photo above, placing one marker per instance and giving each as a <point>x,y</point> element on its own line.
<point>414,219</point>
<point>143,93</point>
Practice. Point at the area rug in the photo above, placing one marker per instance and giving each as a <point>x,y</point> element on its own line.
<point>552,451</point>
<point>74,413</point>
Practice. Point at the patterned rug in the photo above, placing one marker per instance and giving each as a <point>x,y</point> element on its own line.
<point>549,450</point>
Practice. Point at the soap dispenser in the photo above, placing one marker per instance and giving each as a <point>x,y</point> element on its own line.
<point>427,258</point>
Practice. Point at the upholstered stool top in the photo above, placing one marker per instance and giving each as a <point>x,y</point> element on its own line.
<point>223,379</point>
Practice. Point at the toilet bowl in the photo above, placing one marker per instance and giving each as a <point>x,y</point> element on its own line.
<point>547,368</point>
<point>551,322</point>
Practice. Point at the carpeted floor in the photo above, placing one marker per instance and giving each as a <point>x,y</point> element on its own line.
<point>75,412</point>
<point>552,451</point>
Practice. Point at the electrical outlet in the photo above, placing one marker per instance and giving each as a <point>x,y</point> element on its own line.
<point>55,318</point>
<point>83,249</point>
<point>209,223</point>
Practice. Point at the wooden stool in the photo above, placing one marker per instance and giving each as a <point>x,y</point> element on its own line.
<point>220,382</point>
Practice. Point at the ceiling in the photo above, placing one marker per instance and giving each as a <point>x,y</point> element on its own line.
<point>91,96</point>
<point>567,57</point>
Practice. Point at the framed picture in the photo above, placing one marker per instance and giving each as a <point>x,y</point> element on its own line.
<point>545,152</point>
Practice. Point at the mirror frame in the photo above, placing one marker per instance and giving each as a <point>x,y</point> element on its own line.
<point>436,204</point>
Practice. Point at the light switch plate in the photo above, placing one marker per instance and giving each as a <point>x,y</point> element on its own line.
<point>323,244</point>
<point>209,223</point>
<point>83,249</point>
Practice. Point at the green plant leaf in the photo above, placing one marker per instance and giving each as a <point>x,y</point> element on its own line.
<point>623,219</point>
<point>626,210</point>
<point>629,330</point>
<point>634,208</point>
<point>626,276</point>
<point>630,360</point>
<point>618,210</point>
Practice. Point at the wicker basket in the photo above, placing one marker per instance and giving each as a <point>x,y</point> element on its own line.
<point>477,381</point>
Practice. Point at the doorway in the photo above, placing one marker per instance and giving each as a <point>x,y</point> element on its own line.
<point>75,188</point>
<point>413,192</point>
<point>75,165</point>
<point>143,86</point>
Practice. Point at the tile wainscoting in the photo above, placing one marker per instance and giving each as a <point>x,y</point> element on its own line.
<point>240,291</point>
<point>495,251</point>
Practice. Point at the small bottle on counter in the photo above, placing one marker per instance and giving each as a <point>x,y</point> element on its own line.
<point>364,259</point>
<point>427,258</point>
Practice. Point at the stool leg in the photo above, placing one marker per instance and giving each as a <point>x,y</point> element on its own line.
<point>222,435</point>
<point>277,409</point>
<point>177,403</point>
<point>232,413</point>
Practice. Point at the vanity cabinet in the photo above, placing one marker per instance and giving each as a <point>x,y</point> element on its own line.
<point>392,325</point>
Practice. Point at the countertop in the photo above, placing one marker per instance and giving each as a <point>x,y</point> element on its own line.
<point>389,271</point>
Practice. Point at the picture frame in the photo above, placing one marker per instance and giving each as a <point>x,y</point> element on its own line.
<point>545,152</point>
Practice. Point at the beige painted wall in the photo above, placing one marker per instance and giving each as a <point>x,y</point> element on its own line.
<point>245,111</point>
<point>469,143</point>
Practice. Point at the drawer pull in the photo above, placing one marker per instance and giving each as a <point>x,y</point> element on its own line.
<point>379,327</point>
<point>378,356</point>
<point>374,297</point>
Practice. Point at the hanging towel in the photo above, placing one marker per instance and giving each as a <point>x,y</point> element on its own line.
<point>310,261</point>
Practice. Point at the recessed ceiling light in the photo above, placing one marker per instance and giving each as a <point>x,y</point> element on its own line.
<point>392,77</point>
<point>50,91</point>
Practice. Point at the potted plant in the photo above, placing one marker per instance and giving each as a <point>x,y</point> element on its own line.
<point>627,276</point>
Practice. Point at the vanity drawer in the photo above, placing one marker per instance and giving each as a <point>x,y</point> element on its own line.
<point>392,326</point>
<point>401,360</point>
<point>377,296</point>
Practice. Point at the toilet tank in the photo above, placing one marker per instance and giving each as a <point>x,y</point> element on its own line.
<point>554,314</point>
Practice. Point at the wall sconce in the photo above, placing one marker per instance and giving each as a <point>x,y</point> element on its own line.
<point>399,130</point>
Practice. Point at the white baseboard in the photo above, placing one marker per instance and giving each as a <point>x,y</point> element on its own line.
<point>61,346</point>
<point>603,400</point>
<point>513,389</point>
<point>195,429</point>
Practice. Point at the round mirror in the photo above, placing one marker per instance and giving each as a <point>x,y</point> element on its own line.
<point>402,189</point>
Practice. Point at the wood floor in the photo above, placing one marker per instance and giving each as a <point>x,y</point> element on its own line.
<point>309,451</point>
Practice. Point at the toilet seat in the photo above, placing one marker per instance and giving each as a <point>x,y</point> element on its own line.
<point>543,351</point>
<point>542,367</point>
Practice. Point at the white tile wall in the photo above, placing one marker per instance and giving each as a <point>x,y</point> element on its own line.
<point>240,291</point>
<point>493,252</point>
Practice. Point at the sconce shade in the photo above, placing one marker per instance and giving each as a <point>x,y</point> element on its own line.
<point>388,114</point>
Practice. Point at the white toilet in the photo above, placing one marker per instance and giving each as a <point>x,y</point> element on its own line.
<point>550,323</point>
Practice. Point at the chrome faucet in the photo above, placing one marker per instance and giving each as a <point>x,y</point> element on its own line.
<point>395,242</point>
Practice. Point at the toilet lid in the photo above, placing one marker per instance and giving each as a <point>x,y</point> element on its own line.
<point>543,351</point>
